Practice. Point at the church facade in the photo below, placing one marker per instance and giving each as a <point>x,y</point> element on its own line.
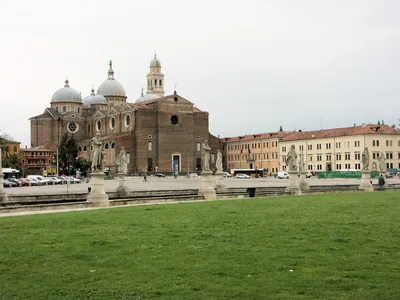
<point>159,132</point>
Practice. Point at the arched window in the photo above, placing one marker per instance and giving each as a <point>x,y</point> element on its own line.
<point>160,82</point>
<point>155,82</point>
<point>174,120</point>
<point>106,146</point>
<point>127,120</point>
<point>112,122</point>
<point>84,148</point>
<point>79,148</point>
<point>112,145</point>
<point>98,125</point>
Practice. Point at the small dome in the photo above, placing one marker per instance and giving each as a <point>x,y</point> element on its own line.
<point>94,99</point>
<point>111,87</point>
<point>66,94</point>
<point>147,97</point>
<point>155,62</point>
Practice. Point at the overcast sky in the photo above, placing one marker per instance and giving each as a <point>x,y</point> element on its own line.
<point>253,65</point>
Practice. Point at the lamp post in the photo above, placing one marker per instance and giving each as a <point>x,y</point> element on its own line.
<point>57,161</point>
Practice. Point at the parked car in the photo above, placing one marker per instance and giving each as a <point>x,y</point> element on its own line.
<point>309,174</point>
<point>34,181</point>
<point>25,181</point>
<point>73,179</point>
<point>226,175</point>
<point>243,176</point>
<point>282,175</point>
<point>16,181</point>
<point>7,183</point>
<point>389,175</point>
<point>41,179</point>
<point>160,175</point>
<point>55,180</point>
<point>393,171</point>
<point>63,179</point>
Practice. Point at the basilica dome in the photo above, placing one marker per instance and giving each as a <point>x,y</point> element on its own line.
<point>147,97</point>
<point>66,94</point>
<point>155,62</point>
<point>111,87</point>
<point>94,99</point>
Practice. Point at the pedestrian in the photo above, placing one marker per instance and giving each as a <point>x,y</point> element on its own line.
<point>145,177</point>
<point>381,182</point>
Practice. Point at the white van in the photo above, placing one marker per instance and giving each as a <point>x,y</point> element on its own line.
<point>282,175</point>
<point>39,178</point>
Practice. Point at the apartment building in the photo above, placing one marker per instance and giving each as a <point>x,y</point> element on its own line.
<point>254,151</point>
<point>36,160</point>
<point>341,148</point>
<point>9,148</point>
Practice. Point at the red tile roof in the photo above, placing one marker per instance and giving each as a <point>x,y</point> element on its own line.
<point>250,137</point>
<point>337,132</point>
<point>40,148</point>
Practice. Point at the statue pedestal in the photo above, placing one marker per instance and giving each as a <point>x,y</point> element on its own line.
<point>122,188</point>
<point>220,185</point>
<point>303,183</point>
<point>207,190</point>
<point>97,194</point>
<point>366,184</point>
<point>293,187</point>
<point>3,195</point>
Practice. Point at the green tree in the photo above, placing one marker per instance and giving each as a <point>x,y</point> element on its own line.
<point>83,165</point>
<point>11,161</point>
<point>5,149</point>
<point>68,153</point>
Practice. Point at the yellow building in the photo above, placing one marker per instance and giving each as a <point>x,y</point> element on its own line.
<point>255,151</point>
<point>341,148</point>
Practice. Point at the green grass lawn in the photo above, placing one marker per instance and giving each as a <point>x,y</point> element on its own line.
<point>339,246</point>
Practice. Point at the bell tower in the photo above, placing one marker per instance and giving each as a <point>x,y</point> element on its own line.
<point>155,79</point>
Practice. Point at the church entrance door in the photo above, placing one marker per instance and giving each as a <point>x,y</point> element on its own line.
<point>176,164</point>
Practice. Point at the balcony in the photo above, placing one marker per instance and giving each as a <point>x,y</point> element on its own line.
<point>250,157</point>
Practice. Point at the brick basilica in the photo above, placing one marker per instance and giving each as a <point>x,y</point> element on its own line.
<point>157,131</point>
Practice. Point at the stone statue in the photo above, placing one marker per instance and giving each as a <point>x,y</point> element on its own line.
<point>205,156</point>
<point>218,163</point>
<point>382,161</point>
<point>365,158</point>
<point>122,161</point>
<point>98,155</point>
<point>302,167</point>
<point>291,160</point>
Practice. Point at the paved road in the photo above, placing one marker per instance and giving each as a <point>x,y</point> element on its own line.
<point>155,183</point>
